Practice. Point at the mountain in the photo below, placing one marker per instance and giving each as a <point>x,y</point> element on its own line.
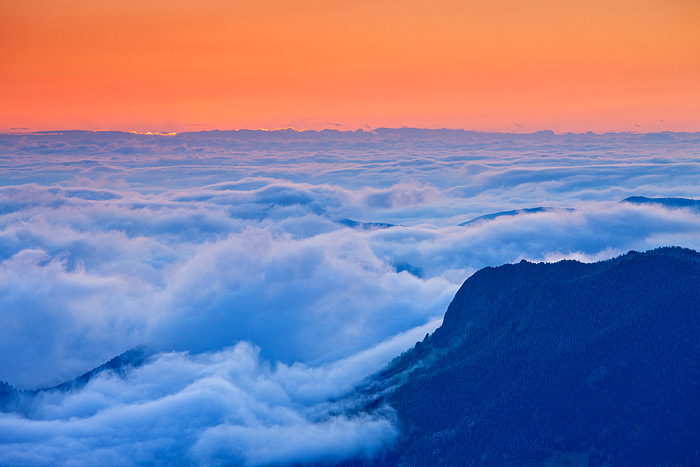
<point>667,202</point>
<point>514,212</point>
<point>353,224</point>
<point>556,364</point>
<point>672,203</point>
<point>18,400</point>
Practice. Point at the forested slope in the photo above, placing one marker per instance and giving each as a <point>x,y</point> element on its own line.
<point>535,359</point>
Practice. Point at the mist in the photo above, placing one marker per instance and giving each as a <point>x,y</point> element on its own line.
<point>272,272</point>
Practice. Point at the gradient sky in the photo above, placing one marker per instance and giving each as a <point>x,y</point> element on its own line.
<point>613,65</point>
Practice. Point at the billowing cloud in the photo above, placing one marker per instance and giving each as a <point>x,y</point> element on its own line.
<point>218,408</point>
<point>221,408</point>
<point>247,262</point>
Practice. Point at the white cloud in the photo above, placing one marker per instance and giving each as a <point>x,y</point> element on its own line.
<point>197,242</point>
<point>208,409</point>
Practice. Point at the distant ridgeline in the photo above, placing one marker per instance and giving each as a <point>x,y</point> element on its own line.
<point>673,203</point>
<point>20,400</point>
<point>667,202</point>
<point>556,364</point>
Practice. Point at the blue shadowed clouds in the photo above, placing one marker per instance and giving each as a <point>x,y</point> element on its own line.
<point>274,271</point>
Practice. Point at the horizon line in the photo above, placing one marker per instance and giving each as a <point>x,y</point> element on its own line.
<point>60,132</point>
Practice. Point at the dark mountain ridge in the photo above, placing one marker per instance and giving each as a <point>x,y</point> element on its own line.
<point>687,203</point>
<point>512,213</point>
<point>20,400</point>
<point>532,360</point>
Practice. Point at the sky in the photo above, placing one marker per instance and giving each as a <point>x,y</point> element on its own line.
<point>270,273</point>
<point>502,65</point>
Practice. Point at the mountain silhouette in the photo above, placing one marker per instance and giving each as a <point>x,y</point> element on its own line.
<point>19,400</point>
<point>512,213</point>
<point>556,364</point>
<point>667,202</point>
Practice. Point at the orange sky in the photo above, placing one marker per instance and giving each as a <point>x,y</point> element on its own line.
<point>504,65</point>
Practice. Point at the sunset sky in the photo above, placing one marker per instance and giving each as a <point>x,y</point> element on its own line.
<point>499,65</point>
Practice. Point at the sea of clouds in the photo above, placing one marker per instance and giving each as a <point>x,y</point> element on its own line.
<point>271,272</point>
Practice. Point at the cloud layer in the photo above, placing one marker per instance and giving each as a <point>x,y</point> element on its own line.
<point>232,256</point>
<point>221,408</point>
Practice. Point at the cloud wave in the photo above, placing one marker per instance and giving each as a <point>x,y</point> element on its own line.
<point>273,272</point>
